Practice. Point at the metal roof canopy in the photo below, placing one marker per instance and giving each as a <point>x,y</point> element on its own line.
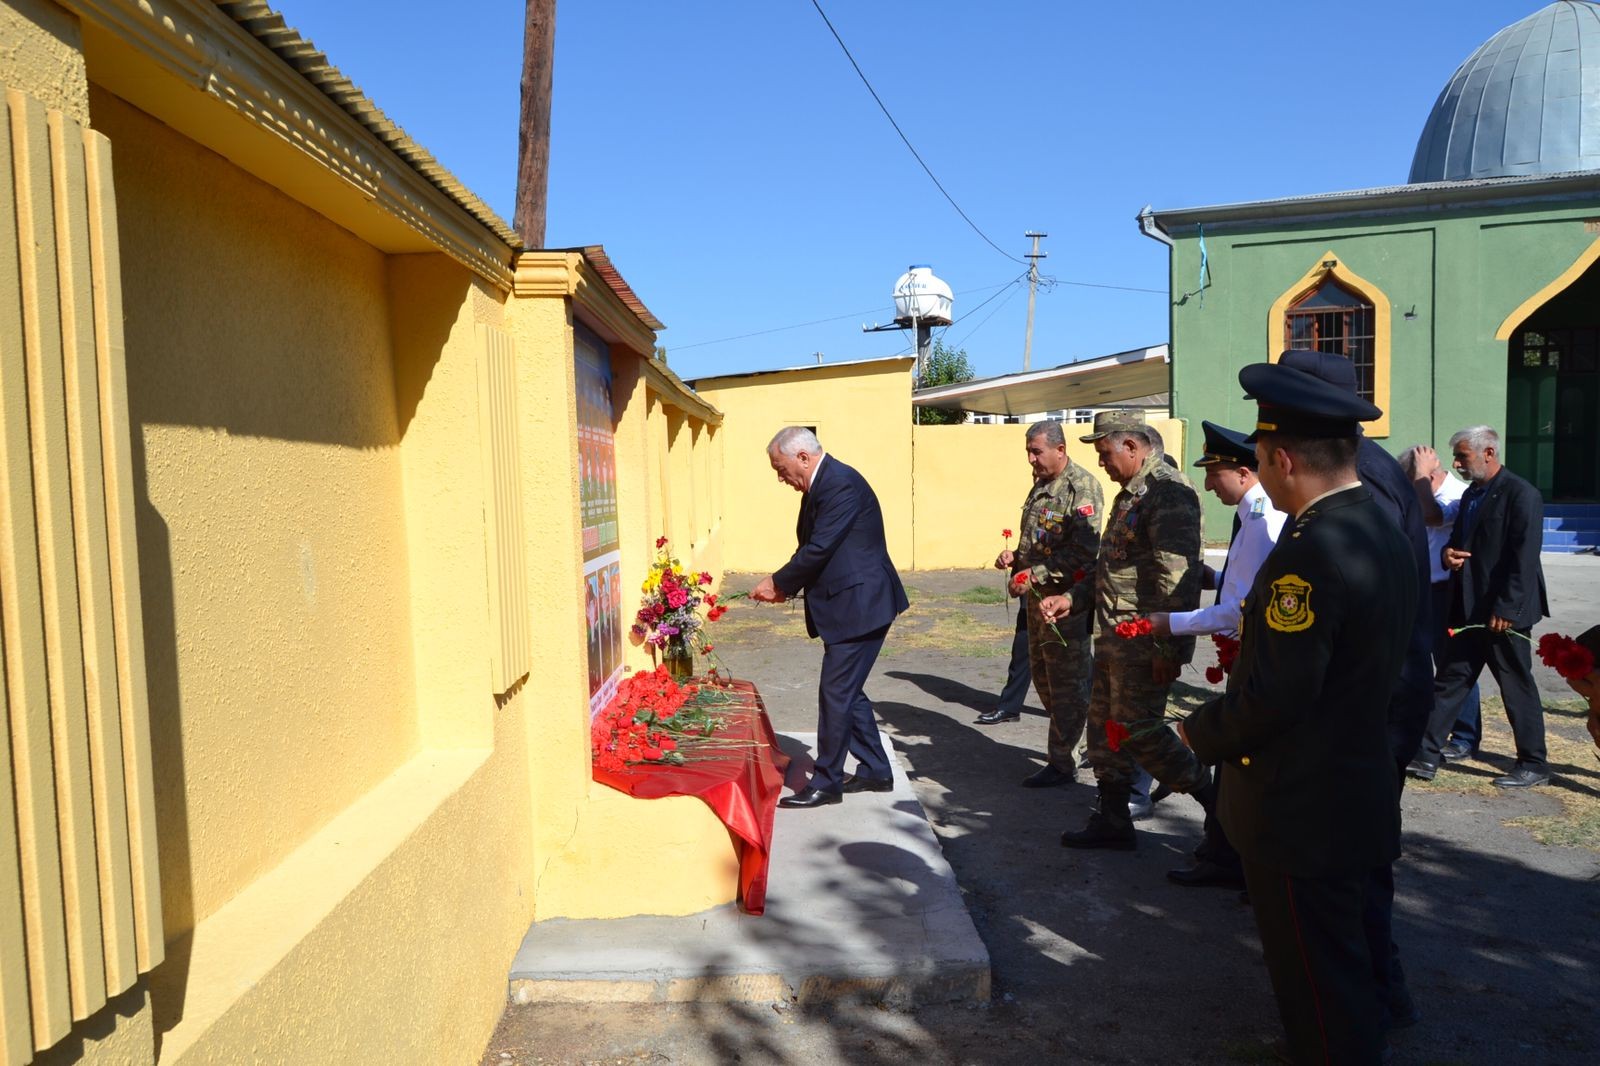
<point>1099,382</point>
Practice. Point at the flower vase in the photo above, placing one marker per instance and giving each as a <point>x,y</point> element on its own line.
<point>677,657</point>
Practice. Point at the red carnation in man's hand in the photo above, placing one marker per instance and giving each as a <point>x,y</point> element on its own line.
<point>1021,580</point>
<point>1116,733</point>
<point>1006,533</point>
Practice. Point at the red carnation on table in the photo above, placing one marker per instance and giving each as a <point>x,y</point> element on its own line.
<point>705,578</point>
<point>1116,733</point>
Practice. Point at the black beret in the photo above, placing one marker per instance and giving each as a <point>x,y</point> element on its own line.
<point>1305,405</point>
<point>1224,445</point>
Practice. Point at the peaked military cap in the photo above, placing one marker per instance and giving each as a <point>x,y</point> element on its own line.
<point>1303,404</point>
<point>1331,367</point>
<point>1108,422</point>
<point>1224,445</point>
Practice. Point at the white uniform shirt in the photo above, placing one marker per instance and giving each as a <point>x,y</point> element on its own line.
<point>1259,526</point>
<point>1448,497</point>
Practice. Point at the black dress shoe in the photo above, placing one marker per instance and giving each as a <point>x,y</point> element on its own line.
<point>1522,777</point>
<point>1455,751</point>
<point>807,798</point>
<point>1207,874</point>
<point>857,783</point>
<point>996,716</point>
<point>1048,776</point>
<point>1422,771</point>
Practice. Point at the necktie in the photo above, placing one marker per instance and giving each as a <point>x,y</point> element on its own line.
<point>1222,577</point>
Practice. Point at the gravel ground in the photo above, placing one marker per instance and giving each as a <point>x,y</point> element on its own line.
<point>1097,959</point>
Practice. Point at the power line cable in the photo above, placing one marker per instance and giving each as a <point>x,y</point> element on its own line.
<point>957,345</point>
<point>915,154</point>
<point>1097,285</point>
<point>821,321</point>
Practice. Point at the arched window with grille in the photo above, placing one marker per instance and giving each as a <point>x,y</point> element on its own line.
<point>1331,308</point>
<point>1331,318</point>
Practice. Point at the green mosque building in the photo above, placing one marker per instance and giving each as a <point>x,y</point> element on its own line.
<point>1469,295</point>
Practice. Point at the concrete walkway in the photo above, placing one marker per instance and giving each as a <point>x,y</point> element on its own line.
<point>861,907</point>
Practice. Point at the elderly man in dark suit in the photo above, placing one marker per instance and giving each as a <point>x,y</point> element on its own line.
<point>852,595</point>
<point>1496,585</point>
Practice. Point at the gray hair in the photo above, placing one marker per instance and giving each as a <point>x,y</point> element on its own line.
<point>792,440</point>
<point>1050,430</point>
<point>1157,445</point>
<point>1476,437</point>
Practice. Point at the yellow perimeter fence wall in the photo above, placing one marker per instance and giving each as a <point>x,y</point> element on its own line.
<point>861,413</point>
<point>969,481</point>
<point>946,491</point>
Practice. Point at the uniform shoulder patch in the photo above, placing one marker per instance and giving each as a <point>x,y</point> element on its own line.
<point>1086,510</point>
<point>1258,508</point>
<point>1289,608</point>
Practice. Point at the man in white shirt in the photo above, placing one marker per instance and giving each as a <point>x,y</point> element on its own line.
<point>1440,494</point>
<point>1230,466</point>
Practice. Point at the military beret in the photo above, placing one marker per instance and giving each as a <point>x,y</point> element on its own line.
<point>1224,445</point>
<point>1108,422</point>
<point>1305,405</point>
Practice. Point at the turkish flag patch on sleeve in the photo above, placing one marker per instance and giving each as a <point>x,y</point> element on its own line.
<point>1086,510</point>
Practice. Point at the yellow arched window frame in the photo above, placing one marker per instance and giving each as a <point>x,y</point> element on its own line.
<point>1330,267</point>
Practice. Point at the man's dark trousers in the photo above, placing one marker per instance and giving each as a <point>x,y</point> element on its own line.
<point>1319,962</point>
<point>1018,675</point>
<point>844,714</point>
<point>1469,719</point>
<point>1509,658</point>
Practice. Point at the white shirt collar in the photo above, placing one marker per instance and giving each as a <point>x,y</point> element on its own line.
<point>812,480</point>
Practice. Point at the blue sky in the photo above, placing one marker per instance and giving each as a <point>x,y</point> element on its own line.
<point>743,180</point>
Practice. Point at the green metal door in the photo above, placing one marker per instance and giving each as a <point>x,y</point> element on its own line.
<point>1531,412</point>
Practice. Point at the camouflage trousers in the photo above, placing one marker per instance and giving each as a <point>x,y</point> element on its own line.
<point>1060,665</point>
<point>1124,692</point>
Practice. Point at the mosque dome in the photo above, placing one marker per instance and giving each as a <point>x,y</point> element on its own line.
<point>1526,102</point>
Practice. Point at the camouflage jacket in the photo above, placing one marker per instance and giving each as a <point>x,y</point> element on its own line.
<point>1060,530</point>
<point>1149,561</point>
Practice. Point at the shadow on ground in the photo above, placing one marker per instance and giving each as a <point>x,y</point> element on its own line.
<point>1096,958</point>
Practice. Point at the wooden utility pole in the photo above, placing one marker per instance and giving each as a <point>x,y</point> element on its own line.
<point>1033,287</point>
<point>533,131</point>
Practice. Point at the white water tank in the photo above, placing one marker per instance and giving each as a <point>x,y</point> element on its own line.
<point>921,295</point>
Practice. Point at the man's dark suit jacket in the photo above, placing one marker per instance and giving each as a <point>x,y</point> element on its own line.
<point>1412,703</point>
<point>842,563</point>
<point>1309,786</point>
<point>1503,578</point>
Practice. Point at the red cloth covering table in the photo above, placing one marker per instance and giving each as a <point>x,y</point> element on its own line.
<point>741,787</point>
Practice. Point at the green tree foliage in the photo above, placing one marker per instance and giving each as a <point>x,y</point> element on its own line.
<point>946,366</point>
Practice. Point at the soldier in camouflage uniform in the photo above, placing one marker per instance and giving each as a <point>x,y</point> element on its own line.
<point>1060,536</point>
<point>1149,561</point>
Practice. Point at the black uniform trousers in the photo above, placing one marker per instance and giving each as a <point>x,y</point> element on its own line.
<point>1510,659</point>
<point>1018,675</point>
<point>844,714</point>
<point>1321,967</point>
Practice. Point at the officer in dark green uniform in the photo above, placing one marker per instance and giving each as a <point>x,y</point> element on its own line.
<point>1310,799</point>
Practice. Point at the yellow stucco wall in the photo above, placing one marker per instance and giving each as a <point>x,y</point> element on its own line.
<point>41,54</point>
<point>272,524</point>
<point>355,829</point>
<point>862,414</point>
<point>970,482</point>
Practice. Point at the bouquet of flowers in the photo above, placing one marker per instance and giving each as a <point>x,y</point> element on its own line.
<point>669,614</point>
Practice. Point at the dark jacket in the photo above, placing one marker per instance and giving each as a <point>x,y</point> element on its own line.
<point>1301,731</point>
<point>1503,578</point>
<point>842,563</point>
<point>1412,703</point>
